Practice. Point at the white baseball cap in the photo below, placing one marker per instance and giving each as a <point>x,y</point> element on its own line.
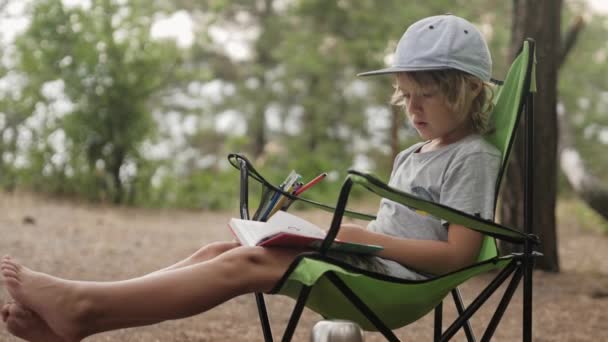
<point>441,42</point>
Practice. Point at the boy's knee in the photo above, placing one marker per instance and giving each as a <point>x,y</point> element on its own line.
<point>246,260</point>
<point>257,260</point>
<point>254,269</point>
<point>213,249</point>
<point>247,256</point>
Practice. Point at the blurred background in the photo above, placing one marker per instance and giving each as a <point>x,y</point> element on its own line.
<point>138,102</point>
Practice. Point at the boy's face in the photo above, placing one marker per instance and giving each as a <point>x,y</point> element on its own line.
<point>429,112</point>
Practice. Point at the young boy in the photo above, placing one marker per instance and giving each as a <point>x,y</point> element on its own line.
<point>442,64</point>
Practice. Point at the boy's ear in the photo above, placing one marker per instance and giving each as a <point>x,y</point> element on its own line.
<point>476,87</point>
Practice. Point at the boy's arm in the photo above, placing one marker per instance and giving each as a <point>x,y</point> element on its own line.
<point>436,257</point>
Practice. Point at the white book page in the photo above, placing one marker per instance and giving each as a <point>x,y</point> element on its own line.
<point>285,222</point>
<point>252,232</point>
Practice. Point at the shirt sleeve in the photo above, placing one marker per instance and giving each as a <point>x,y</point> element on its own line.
<point>469,184</point>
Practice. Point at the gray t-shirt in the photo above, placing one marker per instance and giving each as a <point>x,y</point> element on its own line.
<point>461,175</point>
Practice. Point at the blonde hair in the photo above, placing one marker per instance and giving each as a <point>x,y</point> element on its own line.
<point>456,87</point>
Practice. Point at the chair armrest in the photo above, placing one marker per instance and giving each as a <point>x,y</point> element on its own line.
<point>449,214</point>
<point>247,169</point>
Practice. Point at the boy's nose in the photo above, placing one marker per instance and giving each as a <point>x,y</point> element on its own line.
<point>414,104</point>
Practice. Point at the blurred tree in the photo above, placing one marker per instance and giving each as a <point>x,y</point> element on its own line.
<point>297,88</point>
<point>109,69</point>
<point>11,113</point>
<point>294,83</point>
<point>540,20</point>
<point>12,116</point>
<point>221,24</point>
<point>282,72</point>
<point>581,86</point>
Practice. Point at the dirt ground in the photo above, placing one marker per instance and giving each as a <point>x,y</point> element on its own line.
<point>78,241</point>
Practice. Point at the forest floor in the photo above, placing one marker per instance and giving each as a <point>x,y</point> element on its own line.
<point>79,241</point>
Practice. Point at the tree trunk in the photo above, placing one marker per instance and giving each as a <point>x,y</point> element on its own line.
<point>314,129</point>
<point>539,20</point>
<point>257,125</point>
<point>114,163</point>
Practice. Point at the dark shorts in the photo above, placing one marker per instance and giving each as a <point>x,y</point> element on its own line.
<point>378,265</point>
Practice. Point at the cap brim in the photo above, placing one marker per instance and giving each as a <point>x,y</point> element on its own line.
<point>391,70</point>
<point>396,69</point>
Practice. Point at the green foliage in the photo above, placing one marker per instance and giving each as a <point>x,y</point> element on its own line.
<point>110,70</point>
<point>295,92</point>
<point>204,189</point>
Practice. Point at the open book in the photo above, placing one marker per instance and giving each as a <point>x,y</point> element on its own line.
<point>287,230</point>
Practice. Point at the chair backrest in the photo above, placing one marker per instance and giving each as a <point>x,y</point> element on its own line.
<point>509,100</point>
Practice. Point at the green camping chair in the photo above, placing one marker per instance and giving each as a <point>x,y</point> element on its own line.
<point>378,302</point>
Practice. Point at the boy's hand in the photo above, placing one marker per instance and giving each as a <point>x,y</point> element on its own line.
<point>351,232</point>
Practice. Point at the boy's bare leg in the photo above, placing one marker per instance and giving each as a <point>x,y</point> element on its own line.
<point>205,253</point>
<point>27,325</point>
<point>76,309</point>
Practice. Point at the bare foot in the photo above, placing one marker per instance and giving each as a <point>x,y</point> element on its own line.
<point>54,300</point>
<point>27,325</point>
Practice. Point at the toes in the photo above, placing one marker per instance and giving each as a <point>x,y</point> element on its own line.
<point>6,261</point>
<point>7,264</point>
<point>16,317</point>
<point>5,312</point>
<point>12,282</point>
<point>9,274</point>
<point>8,267</point>
<point>9,270</point>
<point>10,264</point>
<point>15,326</point>
<point>14,310</point>
<point>20,312</point>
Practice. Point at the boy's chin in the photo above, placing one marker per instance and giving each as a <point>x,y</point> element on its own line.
<point>424,135</point>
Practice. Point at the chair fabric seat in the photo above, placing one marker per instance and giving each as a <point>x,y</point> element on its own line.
<point>395,304</point>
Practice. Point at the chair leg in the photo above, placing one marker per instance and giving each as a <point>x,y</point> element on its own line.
<point>438,322</point>
<point>476,304</point>
<point>296,314</point>
<point>362,307</point>
<point>527,314</point>
<point>502,306</point>
<point>460,308</point>
<point>259,298</point>
<point>528,211</point>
